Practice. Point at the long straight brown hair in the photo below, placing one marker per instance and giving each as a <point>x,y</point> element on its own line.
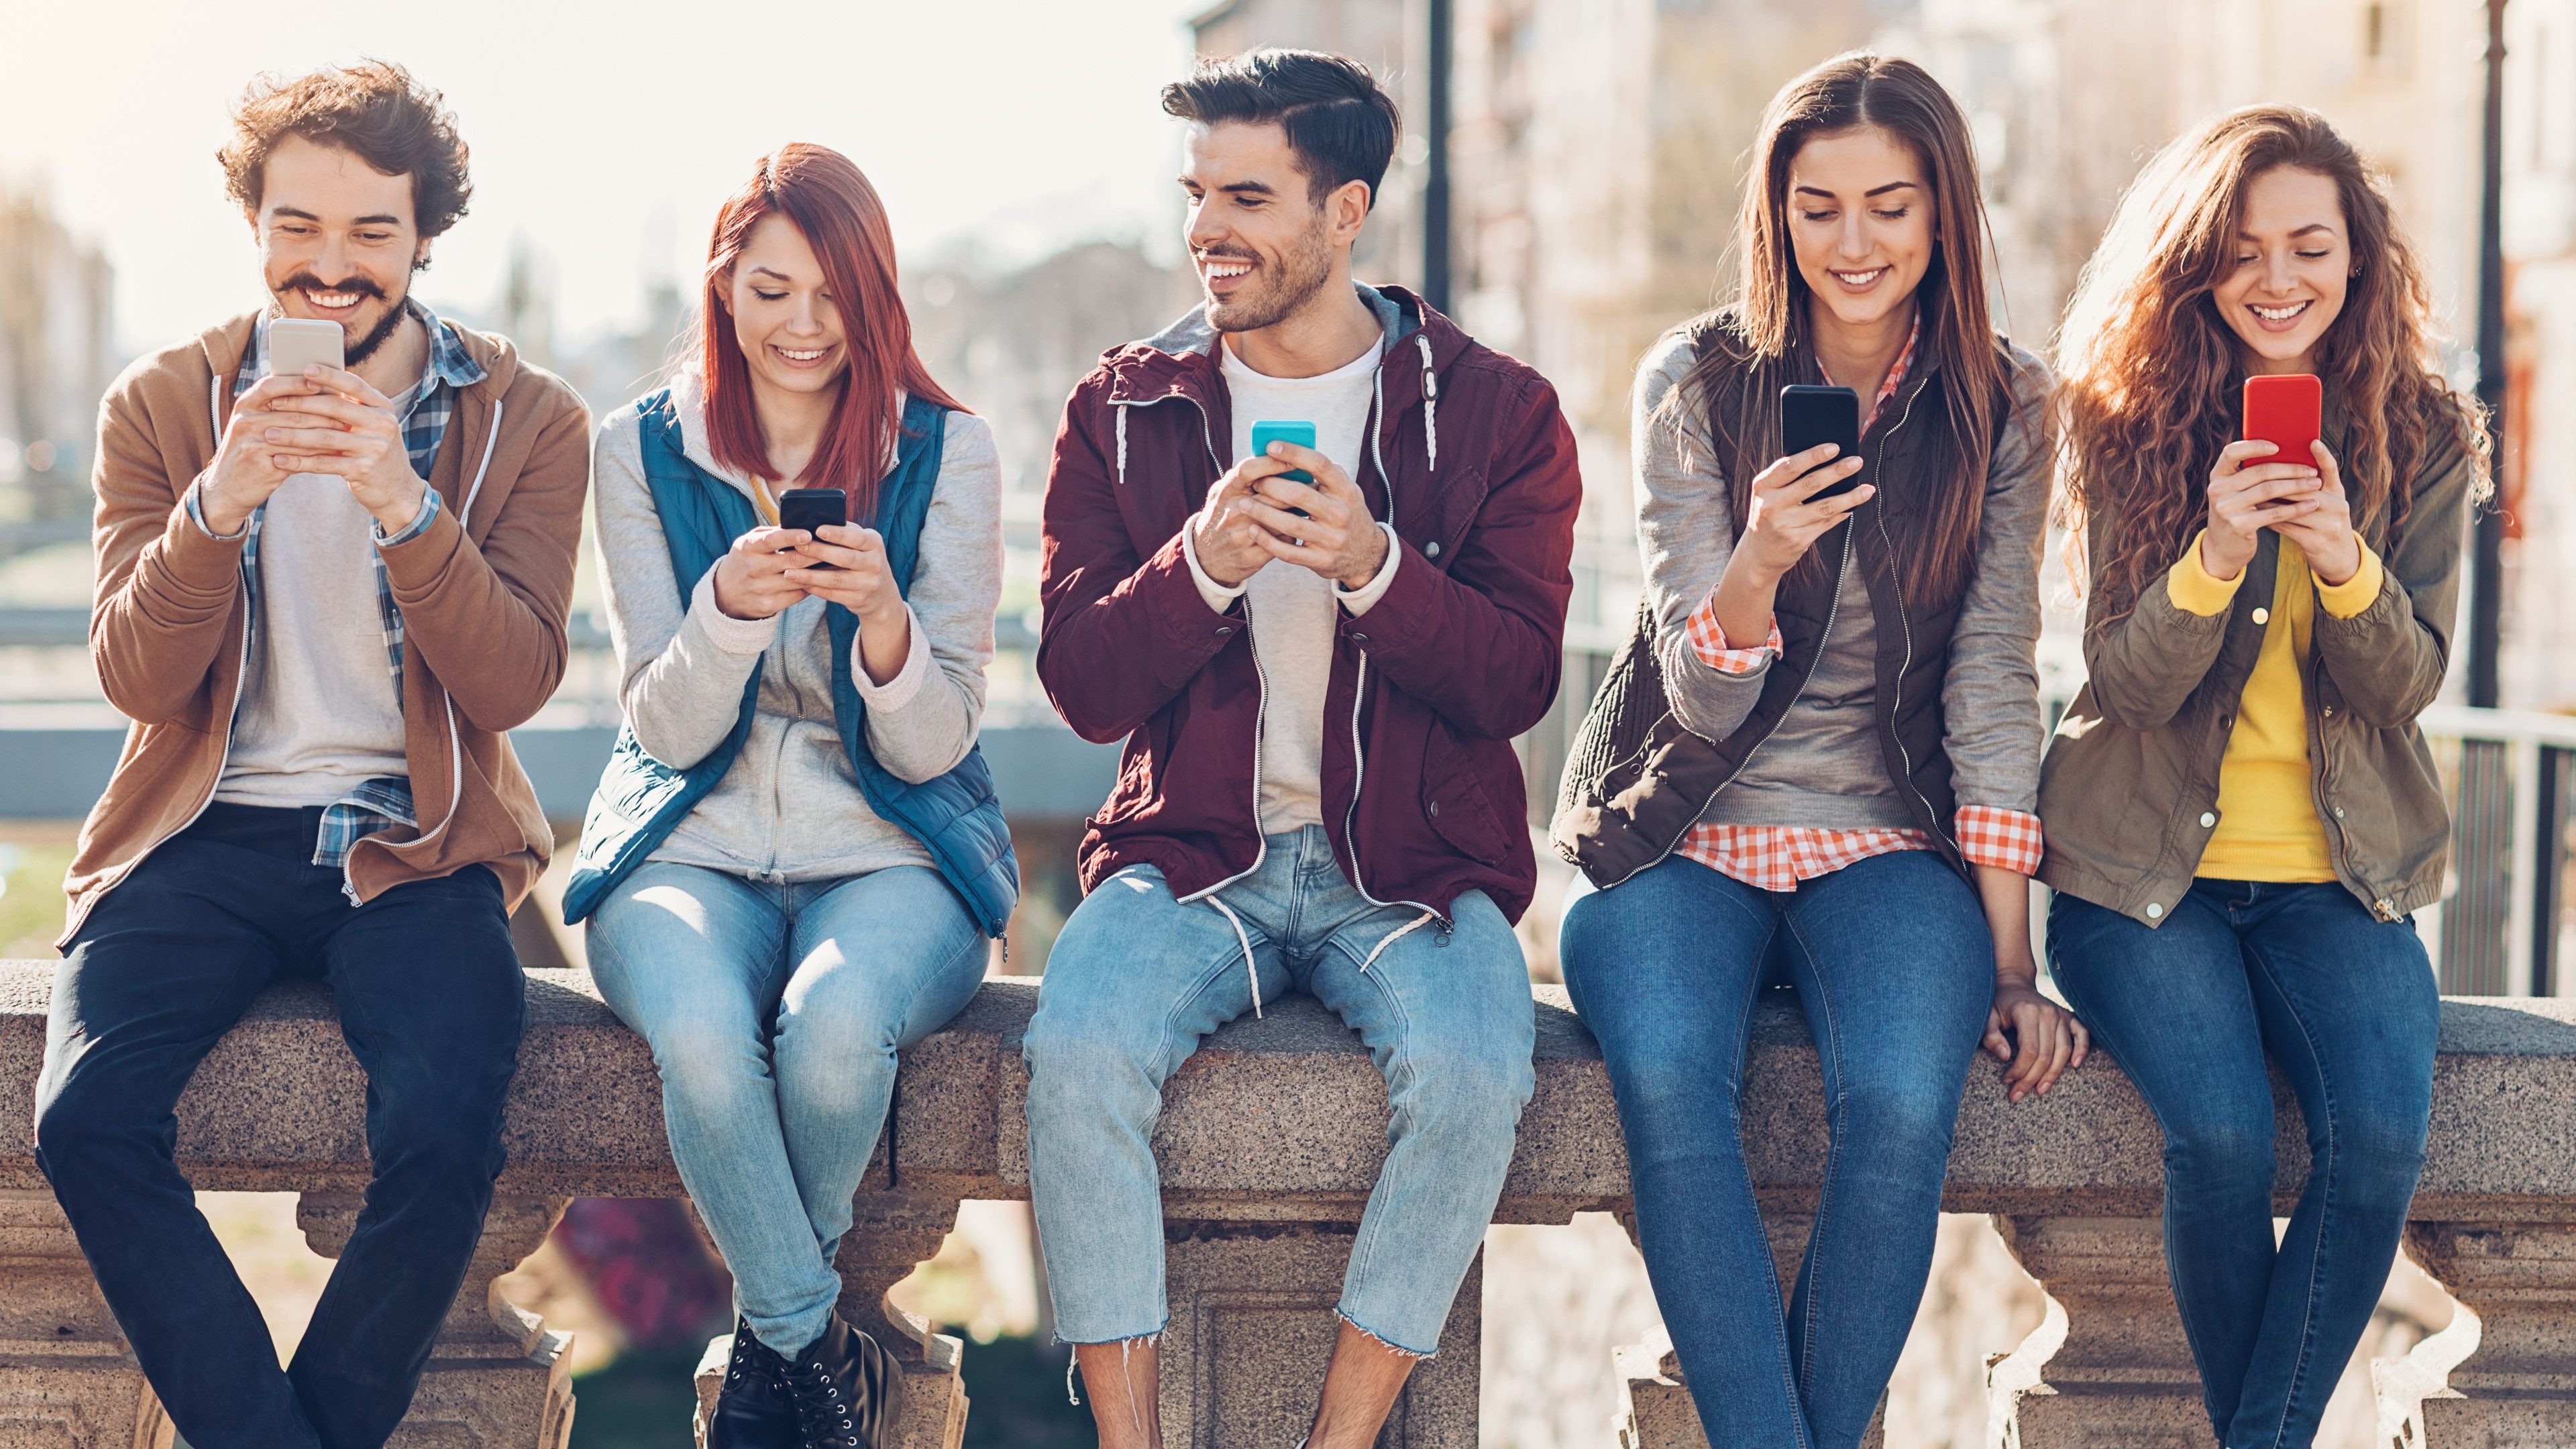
<point>828,199</point>
<point>1760,335</point>
<point>2150,371</point>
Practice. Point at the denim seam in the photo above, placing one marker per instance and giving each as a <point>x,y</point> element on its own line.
<point>2325,1194</point>
<point>1735,1127</point>
<point>2103,1038</point>
<point>1365,1247</point>
<point>1834,1126</point>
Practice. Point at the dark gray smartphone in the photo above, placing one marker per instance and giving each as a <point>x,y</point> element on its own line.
<point>1811,416</point>
<point>811,508</point>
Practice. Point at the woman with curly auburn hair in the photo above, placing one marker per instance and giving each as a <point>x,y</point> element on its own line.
<point>2240,812</point>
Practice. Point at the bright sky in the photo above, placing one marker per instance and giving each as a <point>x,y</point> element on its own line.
<point>604,135</point>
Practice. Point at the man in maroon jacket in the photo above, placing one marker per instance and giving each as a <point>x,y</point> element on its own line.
<point>1318,653</point>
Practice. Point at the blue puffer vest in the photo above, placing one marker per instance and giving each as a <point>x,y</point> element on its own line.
<point>640,800</point>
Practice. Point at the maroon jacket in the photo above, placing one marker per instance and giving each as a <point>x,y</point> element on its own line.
<point>1422,791</point>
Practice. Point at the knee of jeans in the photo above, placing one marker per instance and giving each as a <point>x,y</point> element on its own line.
<point>844,1069</point>
<point>2219,1150</point>
<point>1897,1114</point>
<point>708,1056</point>
<point>2375,1156</point>
<point>446,1140</point>
<point>1072,1060</point>
<point>1470,1083</point>
<point>82,1115</point>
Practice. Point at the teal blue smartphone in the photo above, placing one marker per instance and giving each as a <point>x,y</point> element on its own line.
<point>1302,434</point>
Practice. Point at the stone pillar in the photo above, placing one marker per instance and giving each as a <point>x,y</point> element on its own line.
<point>497,1378</point>
<point>68,1379</point>
<point>1660,1413</point>
<point>2109,1367</point>
<point>891,1233</point>
<point>2519,1387</point>
<point>1253,1328</point>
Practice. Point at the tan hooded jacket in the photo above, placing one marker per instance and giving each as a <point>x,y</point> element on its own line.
<point>483,593</point>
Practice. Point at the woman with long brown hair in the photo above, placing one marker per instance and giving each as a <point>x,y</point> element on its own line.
<point>795,857</point>
<point>1821,750</point>
<point>2240,811</point>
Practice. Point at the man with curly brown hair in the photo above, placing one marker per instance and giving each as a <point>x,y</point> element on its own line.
<point>323,597</point>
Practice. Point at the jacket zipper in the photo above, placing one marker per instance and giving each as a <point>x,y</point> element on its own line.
<point>1261,676</point>
<point>1359,690</point>
<point>1905,626</point>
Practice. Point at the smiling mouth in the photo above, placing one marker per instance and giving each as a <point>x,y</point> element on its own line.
<point>333,301</point>
<point>1224,269</point>
<point>2279,314</point>
<point>1859,280</point>
<point>802,354</point>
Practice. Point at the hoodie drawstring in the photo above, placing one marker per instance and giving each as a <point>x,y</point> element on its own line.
<point>1430,407</point>
<point>1245,938</point>
<point>1398,934</point>
<point>1122,447</point>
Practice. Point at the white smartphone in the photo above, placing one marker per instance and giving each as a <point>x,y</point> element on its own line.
<point>296,343</point>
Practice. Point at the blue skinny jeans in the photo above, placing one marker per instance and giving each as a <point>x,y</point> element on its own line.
<point>775,1013</point>
<point>2346,1004</point>
<point>1895,969</point>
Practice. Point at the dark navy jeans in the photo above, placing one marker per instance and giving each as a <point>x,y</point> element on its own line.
<point>2346,1004</point>
<point>431,1003</point>
<point>1895,969</point>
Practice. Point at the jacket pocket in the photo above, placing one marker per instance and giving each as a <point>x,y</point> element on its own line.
<point>1454,798</point>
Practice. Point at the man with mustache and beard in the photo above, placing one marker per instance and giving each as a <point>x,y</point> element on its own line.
<point>1318,683</point>
<point>322,598</point>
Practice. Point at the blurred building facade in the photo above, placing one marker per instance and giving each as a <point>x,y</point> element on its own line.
<point>57,355</point>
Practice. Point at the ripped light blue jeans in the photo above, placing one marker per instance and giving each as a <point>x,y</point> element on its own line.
<point>1138,978</point>
<point>775,1013</point>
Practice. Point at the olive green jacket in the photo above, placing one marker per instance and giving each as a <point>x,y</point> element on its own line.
<point>2128,792</point>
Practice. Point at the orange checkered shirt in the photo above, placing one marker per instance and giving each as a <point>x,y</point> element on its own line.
<point>1777,857</point>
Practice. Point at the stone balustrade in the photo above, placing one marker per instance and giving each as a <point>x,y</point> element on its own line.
<point>1270,1141</point>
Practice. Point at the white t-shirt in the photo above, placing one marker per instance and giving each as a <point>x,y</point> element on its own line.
<point>1291,607</point>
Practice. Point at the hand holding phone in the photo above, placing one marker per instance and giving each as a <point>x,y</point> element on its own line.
<point>2267,479</point>
<point>1811,416</point>
<point>812,509</point>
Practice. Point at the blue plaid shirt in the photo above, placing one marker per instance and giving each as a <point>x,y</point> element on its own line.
<point>424,410</point>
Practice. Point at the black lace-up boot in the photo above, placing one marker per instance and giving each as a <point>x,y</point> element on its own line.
<point>753,1409</point>
<point>845,1387</point>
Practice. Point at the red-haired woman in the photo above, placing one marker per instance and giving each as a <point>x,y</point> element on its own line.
<point>2240,812</point>
<point>795,857</point>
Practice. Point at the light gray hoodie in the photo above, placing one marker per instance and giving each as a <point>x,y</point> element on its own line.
<point>790,809</point>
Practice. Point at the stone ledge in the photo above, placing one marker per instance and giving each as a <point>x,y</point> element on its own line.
<point>1289,1106</point>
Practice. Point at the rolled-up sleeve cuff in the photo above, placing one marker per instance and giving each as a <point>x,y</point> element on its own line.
<point>419,524</point>
<point>1215,595</point>
<point>899,691</point>
<point>2192,588</point>
<point>723,630</point>
<point>2346,599</point>
<point>1356,602</point>
<point>197,516</point>
<point>2005,839</point>
<point>1708,641</point>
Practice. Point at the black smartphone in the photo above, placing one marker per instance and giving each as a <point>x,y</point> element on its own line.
<point>811,508</point>
<point>1811,416</point>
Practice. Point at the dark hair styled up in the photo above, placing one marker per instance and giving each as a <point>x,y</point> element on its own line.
<point>1341,124</point>
<point>373,109</point>
<point>1769,323</point>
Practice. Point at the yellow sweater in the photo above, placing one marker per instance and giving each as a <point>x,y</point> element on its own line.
<point>2268,829</point>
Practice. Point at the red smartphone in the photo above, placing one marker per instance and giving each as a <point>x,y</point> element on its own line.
<point>2283,410</point>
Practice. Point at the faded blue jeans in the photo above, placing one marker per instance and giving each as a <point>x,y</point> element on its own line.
<point>1895,969</point>
<point>1138,978</point>
<point>775,1013</point>
<point>2346,1004</point>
